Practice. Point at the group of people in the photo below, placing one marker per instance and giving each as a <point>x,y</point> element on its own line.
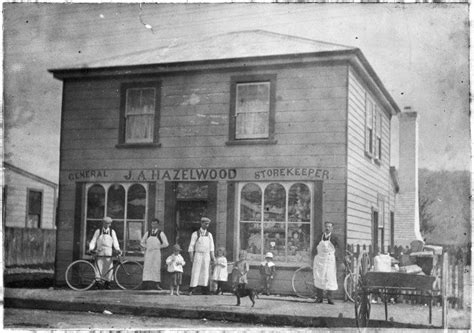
<point>201,254</point>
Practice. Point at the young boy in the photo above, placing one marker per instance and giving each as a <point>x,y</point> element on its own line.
<point>267,272</point>
<point>175,264</point>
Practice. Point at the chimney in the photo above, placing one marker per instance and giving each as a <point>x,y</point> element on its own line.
<point>407,222</point>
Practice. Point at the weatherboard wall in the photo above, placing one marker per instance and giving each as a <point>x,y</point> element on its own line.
<point>16,203</point>
<point>368,182</point>
<point>310,130</point>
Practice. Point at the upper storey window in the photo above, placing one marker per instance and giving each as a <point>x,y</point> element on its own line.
<point>139,113</point>
<point>252,113</point>
<point>373,129</point>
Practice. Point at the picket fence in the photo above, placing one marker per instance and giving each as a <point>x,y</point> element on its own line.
<point>457,275</point>
<point>29,247</point>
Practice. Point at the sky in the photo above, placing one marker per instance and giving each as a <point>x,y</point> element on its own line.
<point>419,51</point>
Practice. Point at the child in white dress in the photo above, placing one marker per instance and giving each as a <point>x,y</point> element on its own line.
<point>219,275</point>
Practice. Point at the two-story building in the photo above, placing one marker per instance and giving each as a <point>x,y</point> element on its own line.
<point>269,135</point>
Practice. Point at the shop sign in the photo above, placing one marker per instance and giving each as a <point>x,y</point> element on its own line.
<point>278,173</point>
<point>199,174</point>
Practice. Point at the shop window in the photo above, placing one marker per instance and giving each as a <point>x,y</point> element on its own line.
<point>126,204</point>
<point>139,114</point>
<point>252,109</point>
<point>277,218</point>
<point>35,207</point>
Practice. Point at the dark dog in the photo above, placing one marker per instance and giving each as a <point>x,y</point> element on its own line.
<point>242,291</point>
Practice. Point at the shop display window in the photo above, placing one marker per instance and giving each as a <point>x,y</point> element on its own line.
<point>277,218</point>
<point>126,204</point>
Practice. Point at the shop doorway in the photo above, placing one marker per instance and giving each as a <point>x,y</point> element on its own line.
<point>185,204</point>
<point>188,217</point>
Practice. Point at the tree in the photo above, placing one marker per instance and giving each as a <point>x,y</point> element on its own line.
<point>425,215</point>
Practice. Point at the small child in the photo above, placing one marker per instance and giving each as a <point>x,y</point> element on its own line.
<point>240,270</point>
<point>219,275</point>
<point>175,264</point>
<point>267,272</point>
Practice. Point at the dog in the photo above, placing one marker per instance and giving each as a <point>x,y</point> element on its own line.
<point>242,291</point>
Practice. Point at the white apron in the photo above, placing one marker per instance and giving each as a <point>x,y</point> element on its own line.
<point>152,263</point>
<point>104,248</point>
<point>201,262</point>
<point>324,266</point>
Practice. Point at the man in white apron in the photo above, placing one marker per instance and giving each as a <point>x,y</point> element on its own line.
<point>201,252</point>
<point>324,264</point>
<point>103,242</point>
<point>153,241</point>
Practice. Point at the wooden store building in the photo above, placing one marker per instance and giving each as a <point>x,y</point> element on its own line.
<point>268,135</point>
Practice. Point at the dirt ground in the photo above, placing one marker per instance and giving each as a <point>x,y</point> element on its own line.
<point>41,319</point>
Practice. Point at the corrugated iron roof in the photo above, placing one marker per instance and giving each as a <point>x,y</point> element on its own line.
<point>241,44</point>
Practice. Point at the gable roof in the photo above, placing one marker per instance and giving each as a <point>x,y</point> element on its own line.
<point>239,44</point>
<point>235,49</point>
<point>28,174</point>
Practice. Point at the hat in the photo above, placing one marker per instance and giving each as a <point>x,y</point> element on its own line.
<point>107,219</point>
<point>176,247</point>
<point>269,255</point>
<point>205,219</point>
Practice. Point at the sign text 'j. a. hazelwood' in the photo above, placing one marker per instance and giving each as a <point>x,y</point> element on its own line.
<point>197,174</point>
<point>181,174</point>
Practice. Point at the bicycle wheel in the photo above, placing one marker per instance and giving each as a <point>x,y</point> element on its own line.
<point>80,275</point>
<point>302,282</point>
<point>128,275</point>
<point>350,286</point>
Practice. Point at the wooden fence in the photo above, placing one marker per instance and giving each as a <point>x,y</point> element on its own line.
<point>458,282</point>
<point>29,247</point>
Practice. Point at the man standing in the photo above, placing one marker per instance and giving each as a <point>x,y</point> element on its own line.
<point>324,264</point>
<point>153,241</point>
<point>104,241</point>
<point>201,252</point>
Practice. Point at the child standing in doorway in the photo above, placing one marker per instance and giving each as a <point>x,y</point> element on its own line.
<point>219,275</point>
<point>175,263</point>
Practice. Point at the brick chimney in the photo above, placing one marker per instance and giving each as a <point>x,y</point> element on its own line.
<point>407,222</point>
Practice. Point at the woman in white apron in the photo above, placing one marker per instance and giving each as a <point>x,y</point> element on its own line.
<point>324,265</point>
<point>153,241</point>
<point>104,241</point>
<point>201,252</point>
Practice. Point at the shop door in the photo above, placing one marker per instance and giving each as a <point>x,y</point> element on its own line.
<point>188,220</point>
<point>375,231</point>
<point>185,204</point>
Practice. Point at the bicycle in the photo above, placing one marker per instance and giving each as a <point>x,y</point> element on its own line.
<point>303,284</point>
<point>82,274</point>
